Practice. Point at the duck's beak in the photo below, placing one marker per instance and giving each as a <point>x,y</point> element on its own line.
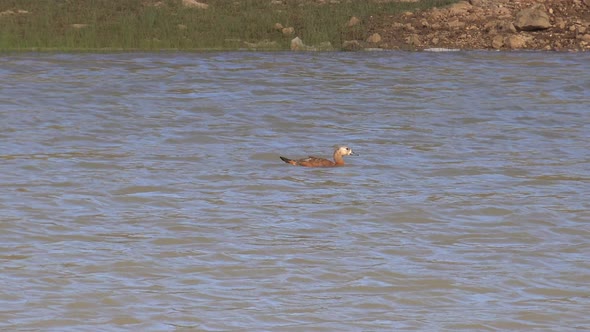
<point>353,153</point>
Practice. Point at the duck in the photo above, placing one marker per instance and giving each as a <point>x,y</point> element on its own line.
<point>339,152</point>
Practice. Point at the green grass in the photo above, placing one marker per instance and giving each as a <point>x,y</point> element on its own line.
<point>140,25</point>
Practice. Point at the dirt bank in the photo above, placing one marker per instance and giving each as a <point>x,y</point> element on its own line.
<point>560,25</point>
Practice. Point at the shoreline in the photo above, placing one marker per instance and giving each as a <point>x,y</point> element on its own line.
<point>505,25</point>
<point>304,25</point>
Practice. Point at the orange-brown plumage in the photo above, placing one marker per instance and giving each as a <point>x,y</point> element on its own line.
<point>311,161</point>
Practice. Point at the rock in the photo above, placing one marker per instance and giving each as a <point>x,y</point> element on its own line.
<point>483,24</point>
<point>497,42</point>
<point>351,45</point>
<point>79,25</point>
<point>288,31</point>
<point>503,12</point>
<point>436,14</point>
<point>499,26</point>
<point>374,38</point>
<point>515,42</point>
<point>278,26</point>
<point>414,40</point>
<point>181,26</point>
<point>194,4</point>
<point>353,21</point>
<point>297,44</point>
<point>460,8</point>
<point>12,12</point>
<point>532,18</point>
<point>262,45</point>
<point>409,27</point>
<point>455,24</point>
<point>324,46</point>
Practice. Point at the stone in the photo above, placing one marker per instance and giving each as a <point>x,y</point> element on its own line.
<point>409,27</point>
<point>436,14</point>
<point>297,44</point>
<point>532,18</point>
<point>351,45</point>
<point>585,38</point>
<point>194,4</point>
<point>278,26</point>
<point>12,12</point>
<point>515,42</point>
<point>503,12</point>
<point>560,23</point>
<point>460,8</point>
<point>414,40</point>
<point>262,45</point>
<point>374,38</point>
<point>499,26</point>
<point>353,21</point>
<point>456,24</point>
<point>79,25</point>
<point>288,31</point>
<point>324,46</point>
<point>497,42</point>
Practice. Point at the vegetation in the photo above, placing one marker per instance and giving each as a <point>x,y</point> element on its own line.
<point>91,25</point>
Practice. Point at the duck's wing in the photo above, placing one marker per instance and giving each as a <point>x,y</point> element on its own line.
<point>312,161</point>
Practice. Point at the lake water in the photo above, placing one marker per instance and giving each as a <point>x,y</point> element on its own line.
<point>144,192</point>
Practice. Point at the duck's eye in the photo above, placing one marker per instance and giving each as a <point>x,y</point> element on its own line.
<point>347,149</point>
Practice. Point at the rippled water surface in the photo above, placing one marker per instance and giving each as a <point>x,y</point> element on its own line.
<point>145,192</point>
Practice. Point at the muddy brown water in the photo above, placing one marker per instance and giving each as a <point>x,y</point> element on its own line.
<point>145,192</point>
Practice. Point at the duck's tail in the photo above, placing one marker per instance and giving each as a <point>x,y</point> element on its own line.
<point>289,161</point>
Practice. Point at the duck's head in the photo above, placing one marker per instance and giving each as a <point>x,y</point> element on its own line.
<point>345,151</point>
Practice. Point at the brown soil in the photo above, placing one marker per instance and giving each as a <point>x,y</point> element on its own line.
<point>483,24</point>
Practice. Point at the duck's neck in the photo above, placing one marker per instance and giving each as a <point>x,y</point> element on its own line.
<point>338,158</point>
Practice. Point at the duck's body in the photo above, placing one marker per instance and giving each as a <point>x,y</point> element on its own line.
<point>311,161</point>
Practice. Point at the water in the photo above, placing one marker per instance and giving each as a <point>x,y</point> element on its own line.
<point>145,192</point>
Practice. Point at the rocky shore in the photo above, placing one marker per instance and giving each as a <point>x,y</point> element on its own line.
<point>559,25</point>
<point>551,25</point>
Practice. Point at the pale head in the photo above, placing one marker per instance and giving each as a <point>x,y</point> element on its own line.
<point>344,151</point>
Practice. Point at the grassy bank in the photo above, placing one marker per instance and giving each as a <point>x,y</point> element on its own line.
<point>78,25</point>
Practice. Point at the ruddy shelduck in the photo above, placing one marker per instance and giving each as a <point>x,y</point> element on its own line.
<point>310,161</point>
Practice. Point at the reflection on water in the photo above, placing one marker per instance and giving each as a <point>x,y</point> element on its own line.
<point>145,192</point>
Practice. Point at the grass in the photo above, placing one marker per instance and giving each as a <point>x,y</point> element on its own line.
<point>79,25</point>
